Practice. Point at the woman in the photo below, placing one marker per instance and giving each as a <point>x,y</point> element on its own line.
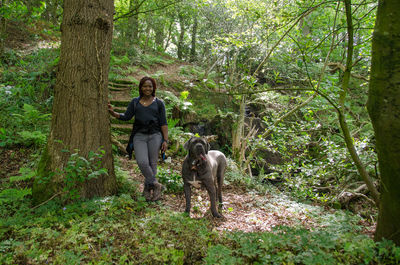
<point>149,133</point>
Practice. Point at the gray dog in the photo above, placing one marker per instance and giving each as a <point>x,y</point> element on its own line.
<point>203,168</point>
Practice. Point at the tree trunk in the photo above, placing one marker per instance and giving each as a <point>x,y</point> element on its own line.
<point>50,13</point>
<point>238,133</point>
<point>341,111</point>
<point>181,36</point>
<point>384,110</point>
<point>133,21</point>
<point>159,37</point>
<point>3,31</point>
<point>194,35</point>
<point>79,117</point>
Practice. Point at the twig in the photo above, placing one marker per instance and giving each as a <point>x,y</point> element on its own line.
<point>52,197</point>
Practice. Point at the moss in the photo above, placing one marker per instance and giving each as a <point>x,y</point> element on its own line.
<point>43,188</point>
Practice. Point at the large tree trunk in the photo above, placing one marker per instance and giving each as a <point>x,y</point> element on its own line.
<point>384,110</point>
<point>79,118</point>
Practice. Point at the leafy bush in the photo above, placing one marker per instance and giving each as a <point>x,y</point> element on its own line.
<point>171,179</point>
<point>28,138</point>
<point>80,169</point>
<point>26,96</point>
<point>299,246</point>
<point>93,232</point>
<point>125,184</point>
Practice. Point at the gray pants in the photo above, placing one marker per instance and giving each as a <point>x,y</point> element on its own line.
<point>147,147</point>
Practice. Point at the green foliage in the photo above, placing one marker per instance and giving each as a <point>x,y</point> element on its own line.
<point>171,179</point>
<point>5,138</point>
<point>147,60</point>
<point>238,179</point>
<point>80,169</point>
<point>26,174</point>
<point>37,138</point>
<point>312,159</point>
<point>10,195</point>
<point>173,101</point>
<point>119,61</point>
<point>15,10</point>
<point>125,183</point>
<point>299,246</point>
<point>26,96</point>
<point>111,222</point>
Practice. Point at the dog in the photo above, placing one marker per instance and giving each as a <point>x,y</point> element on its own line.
<point>202,167</point>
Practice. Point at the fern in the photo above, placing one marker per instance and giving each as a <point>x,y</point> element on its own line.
<point>10,195</point>
<point>26,174</point>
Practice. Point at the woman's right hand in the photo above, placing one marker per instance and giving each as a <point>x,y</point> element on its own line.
<point>111,110</point>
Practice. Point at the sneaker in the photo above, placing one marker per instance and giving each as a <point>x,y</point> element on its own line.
<point>158,189</point>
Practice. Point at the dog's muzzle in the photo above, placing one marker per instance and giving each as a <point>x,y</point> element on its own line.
<point>199,149</point>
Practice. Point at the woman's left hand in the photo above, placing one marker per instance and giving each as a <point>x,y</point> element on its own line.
<point>164,146</point>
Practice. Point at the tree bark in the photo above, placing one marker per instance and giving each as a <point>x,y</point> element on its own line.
<point>384,110</point>
<point>79,116</point>
<point>3,29</point>
<point>159,32</point>
<point>181,36</point>
<point>194,35</point>
<point>133,21</point>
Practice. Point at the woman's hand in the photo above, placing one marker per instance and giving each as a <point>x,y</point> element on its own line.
<point>164,146</point>
<point>111,111</point>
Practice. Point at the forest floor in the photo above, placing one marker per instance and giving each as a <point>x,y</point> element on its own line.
<point>248,210</point>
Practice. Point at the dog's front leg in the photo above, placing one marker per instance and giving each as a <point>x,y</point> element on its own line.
<point>188,193</point>
<point>213,198</point>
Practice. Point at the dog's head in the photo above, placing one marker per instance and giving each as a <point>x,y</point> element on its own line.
<point>198,147</point>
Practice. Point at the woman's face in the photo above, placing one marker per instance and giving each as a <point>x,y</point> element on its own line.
<point>147,88</point>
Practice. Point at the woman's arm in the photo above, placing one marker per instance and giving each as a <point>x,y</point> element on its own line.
<point>164,131</point>
<point>130,111</point>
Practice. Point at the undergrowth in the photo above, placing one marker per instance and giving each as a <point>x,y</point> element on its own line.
<point>124,229</point>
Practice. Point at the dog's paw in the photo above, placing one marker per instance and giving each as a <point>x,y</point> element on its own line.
<point>217,215</point>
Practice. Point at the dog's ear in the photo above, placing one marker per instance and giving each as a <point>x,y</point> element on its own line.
<point>207,146</point>
<point>186,145</point>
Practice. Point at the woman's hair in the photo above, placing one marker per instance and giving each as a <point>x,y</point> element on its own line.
<point>153,82</point>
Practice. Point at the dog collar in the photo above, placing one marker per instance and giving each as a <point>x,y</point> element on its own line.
<point>195,164</point>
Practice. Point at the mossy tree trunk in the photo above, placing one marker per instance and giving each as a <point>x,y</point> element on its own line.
<point>194,36</point>
<point>3,30</point>
<point>79,118</point>
<point>181,36</point>
<point>384,110</point>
